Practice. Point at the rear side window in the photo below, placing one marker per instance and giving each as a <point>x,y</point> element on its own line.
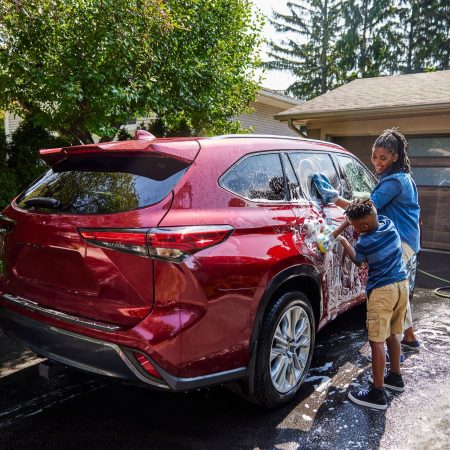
<point>103,184</point>
<point>307,164</point>
<point>258,177</point>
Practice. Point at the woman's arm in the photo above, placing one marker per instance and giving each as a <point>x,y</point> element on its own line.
<point>328,193</point>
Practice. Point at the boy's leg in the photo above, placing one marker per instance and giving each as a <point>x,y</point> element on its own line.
<point>390,303</point>
<point>378,363</point>
<point>378,328</point>
<point>393,380</point>
<point>379,314</point>
<point>394,350</point>
<point>397,323</point>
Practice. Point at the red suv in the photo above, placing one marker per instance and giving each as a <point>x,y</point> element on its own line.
<point>181,263</point>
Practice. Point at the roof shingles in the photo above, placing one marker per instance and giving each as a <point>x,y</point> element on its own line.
<point>379,93</point>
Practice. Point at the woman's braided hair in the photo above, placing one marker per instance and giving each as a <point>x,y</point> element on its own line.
<point>360,207</point>
<point>396,143</point>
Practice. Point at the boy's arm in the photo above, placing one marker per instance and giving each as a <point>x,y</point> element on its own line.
<point>345,224</point>
<point>349,250</point>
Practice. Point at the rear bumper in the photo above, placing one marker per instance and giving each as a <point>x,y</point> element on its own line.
<point>81,352</point>
<point>98,356</point>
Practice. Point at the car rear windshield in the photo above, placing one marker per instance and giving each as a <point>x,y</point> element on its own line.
<point>103,184</point>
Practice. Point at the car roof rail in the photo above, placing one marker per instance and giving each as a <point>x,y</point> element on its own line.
<point>274,136</point>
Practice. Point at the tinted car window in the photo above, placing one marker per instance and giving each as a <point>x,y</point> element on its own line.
<point>99,185</point>
<point>258,177</point>
<point>361,183</point>
<point>307,164</point>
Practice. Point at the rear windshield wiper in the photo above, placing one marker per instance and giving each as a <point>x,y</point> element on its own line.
<point>43,202</point>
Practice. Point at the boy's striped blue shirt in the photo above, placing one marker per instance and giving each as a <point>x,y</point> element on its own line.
<point>382,250</point>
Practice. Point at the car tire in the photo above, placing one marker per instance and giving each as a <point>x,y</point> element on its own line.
<point>284,349</point>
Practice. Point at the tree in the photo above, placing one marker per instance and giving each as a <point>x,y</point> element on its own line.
<point>8,179</point>
<point>83,67</point>
<point>20,163</point>
<point>78,66</point>
<point>308,50</point>
<point>330,42</point>
<point>434,36</point>
<point>207,64</point>
<point>442,42</point>
<point>362,50</point>
<point>419,39</point>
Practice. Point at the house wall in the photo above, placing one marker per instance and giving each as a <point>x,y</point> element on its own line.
<point>419,124</point>
<point>262,121</point>
<point>12,122</point>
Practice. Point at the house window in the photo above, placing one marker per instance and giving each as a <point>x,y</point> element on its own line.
<point>436,147</point>
<point>431,176</point>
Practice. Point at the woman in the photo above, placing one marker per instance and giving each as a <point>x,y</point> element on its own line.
<point>395,196</point>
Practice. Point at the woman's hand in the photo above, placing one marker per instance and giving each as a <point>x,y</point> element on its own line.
<point>324,188</point>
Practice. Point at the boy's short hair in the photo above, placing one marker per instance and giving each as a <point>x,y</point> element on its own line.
<point>360,207</point>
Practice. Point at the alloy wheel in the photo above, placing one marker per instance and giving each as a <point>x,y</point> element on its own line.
<point>291,345</point>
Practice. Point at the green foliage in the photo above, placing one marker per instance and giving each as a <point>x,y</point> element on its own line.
<point>422,43</point>
<point>208,63</point>
<point>82,67</point>
<point>78,66</point>
<point>19,159</point>
<point>330,42</point>
<point>362,49</point>
<point>308,51</point>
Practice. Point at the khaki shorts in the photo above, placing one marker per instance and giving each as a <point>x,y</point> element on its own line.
<point>386,309</point>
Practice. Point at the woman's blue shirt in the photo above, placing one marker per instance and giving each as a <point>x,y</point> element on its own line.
<point>395,196</point>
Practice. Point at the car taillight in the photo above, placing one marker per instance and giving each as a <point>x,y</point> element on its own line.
<point>130,241</point>
<point>176,243</point>
<point>172,243</point>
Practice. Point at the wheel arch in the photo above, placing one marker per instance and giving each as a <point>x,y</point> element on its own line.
<point>303,278</point>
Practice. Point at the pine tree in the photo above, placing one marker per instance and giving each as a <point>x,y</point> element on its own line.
<point>362,50</point>
<point>415,44</point>
<point>327,43</point>
<point>439,31</point>
<point>308,49</point>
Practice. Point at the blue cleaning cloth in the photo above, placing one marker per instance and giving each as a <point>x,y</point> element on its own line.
<point>324,187</point>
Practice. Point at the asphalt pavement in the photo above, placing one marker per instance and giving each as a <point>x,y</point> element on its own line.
<point>76,410</point>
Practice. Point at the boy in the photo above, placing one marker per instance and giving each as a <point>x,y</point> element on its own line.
<point>387,290</point>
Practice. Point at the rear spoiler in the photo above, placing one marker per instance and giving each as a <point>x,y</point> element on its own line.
<point>184,150</point>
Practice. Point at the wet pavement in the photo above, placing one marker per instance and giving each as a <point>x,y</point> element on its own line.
<point>76,410</point>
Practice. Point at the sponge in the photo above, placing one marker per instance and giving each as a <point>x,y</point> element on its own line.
<point>325,239</point>
<point>324,242</point>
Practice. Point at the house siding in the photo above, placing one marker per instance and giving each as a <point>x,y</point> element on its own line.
<point>12,122</point>
<point>262,122</point>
